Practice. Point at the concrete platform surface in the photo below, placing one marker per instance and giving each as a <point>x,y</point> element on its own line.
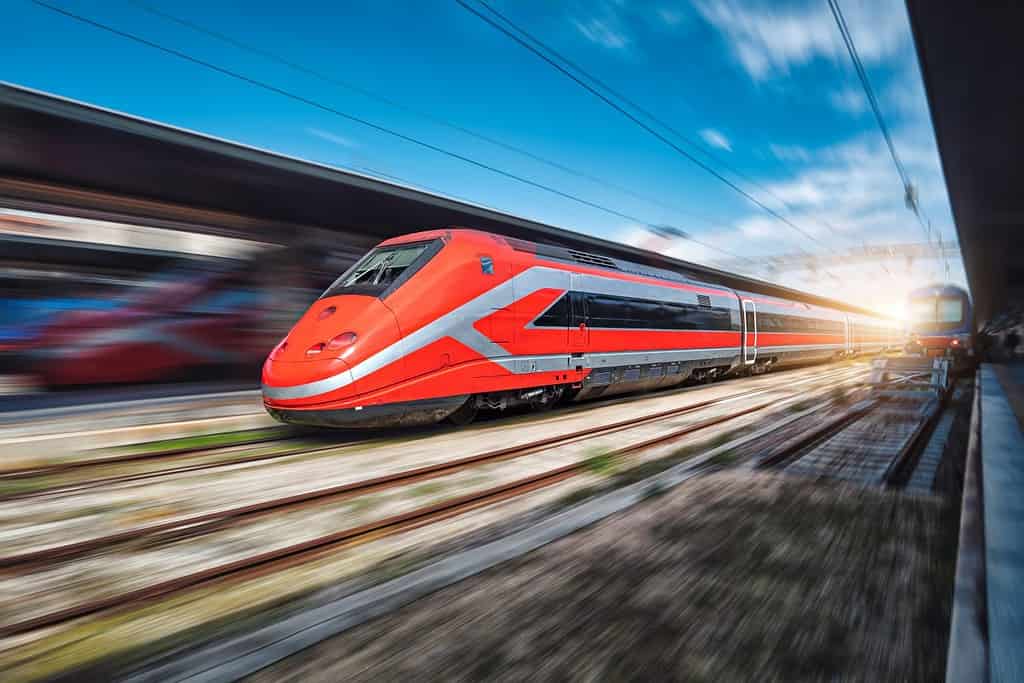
<point>1002,457</point>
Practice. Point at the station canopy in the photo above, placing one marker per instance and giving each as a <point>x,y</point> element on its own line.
<point>66,157</point>
<point>972,57</point>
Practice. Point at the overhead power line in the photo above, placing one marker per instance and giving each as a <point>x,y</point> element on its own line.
<point>337,112</point>
<point>629,115</point>
<point>909,191</point>
<point>858,66</point>
<point>646,113</point>
<point>908,252</point>
<point>327,78</point>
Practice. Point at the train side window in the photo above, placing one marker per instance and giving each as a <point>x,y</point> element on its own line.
<point>557,315</point>
<point>487,265</point>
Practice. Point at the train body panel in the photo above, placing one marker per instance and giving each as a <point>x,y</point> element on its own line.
<point>790,332</point>
<point>444,321</point>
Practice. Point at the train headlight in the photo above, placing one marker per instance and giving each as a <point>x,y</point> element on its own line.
<point>342,341</point>
<point>280,348</point>
<point>955,342</point>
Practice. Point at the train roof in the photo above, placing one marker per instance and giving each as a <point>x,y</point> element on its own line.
<point>597,260</point>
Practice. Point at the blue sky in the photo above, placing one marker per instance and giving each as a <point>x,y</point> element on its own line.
<point>767,88</point>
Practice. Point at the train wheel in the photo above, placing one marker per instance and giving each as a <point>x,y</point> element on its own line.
<point>464,414</point>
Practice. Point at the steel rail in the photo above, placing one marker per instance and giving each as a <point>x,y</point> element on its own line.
<point>281,558</point>
<point>791,448</point>
<point>75,487</point>
<point>201,523</point>
<point>58,468</point>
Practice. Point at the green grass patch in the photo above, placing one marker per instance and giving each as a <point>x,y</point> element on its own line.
<point>600,462</point>
<point>361,505</point>
<point>207,440</point>
<point>838,395</point>
<point>722,439</point>
<point>800,406</point>
<point>727,457</point>
<point>578,496</point>
<point>15,487</point>
<point>431,488</point>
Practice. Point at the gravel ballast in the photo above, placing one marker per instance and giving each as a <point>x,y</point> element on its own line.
<point>733,576</point>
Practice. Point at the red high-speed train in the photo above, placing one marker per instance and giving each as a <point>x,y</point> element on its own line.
<point>439,324</point>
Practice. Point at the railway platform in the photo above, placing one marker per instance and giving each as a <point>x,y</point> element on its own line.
<point>42,434</point>
<point>1002,457</point>
<point>987,638</point>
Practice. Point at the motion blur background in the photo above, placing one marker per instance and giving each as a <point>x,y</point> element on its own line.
<point>88,302</point>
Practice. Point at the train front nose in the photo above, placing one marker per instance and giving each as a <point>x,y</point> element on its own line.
<point>290,383</point>
<point>313,366</point>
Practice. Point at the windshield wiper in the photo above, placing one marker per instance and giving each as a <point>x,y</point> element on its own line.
<point>379,269</point>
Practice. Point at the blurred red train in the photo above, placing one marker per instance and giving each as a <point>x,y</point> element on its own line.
<point>442,323</point>
<point>187,321</point>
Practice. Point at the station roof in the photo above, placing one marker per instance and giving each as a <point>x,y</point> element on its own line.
<point>64,156</point>
<point>971,57</point>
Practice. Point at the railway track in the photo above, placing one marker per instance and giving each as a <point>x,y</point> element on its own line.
<point>62,488</point>
<point>128,458</point>
<point>200,523</point>
<point>75,487</point>
<point>303,551</point>
<point>873,443</point>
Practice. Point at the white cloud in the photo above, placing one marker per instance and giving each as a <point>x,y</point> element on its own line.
<point>602,32</point>
<point>332,137</point>
<point>769,40</point>
<point>852,187</point>
<point>790,152</point>
<point>849,100</point>
<point>716,139</point>
<point>801,192</point>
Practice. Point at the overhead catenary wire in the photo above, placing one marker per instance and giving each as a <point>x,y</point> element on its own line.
<point>350,117</point>
<point>437,120</point>
<point>909,190</point>
<point>858,66</point>
<point>632,117</point>
<point>646,113</point>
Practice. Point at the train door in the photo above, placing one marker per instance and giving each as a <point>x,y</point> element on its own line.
<point>499,323</point>
<point>579,333</point>
<point>749,332</point>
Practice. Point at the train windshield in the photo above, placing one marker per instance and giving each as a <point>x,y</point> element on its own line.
<point>385,268</point>
<point>936,314</point>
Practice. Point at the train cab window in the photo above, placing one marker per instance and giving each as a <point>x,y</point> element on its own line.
<point>949,310</point>
<point>936,313</point>
<point>384,269</point>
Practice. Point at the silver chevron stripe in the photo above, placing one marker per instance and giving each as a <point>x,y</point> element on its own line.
<point>458,324</point>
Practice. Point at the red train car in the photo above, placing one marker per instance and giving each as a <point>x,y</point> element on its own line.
<point>438,324</point>
<point>187,321</point>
